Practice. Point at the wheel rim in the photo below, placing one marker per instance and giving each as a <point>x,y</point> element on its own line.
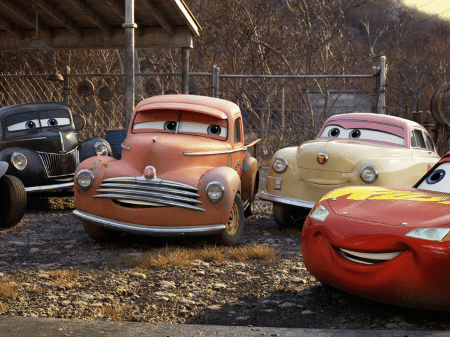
<point>233,223</point>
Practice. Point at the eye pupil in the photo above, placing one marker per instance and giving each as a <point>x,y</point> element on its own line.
<point>435,177</point>
<point>30,125</point>
<point>355,134</point>
<point>171,126</point>
<point>334,132</point>
<point>214,130</point>
<point>52,122</point>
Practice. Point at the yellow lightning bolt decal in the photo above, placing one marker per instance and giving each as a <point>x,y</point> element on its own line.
<point>380,193</point>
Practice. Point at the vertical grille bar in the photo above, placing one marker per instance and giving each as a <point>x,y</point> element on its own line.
<point>53,163</point>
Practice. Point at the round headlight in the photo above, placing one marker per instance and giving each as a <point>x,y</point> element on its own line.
<point>214,191</point>
<point>100,149</point>
<point>279,164</point>
<point>85,179</point>
<point>369,174</point>
<point>19,160</point>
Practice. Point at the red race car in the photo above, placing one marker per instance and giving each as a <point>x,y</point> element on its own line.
<point>385,244</point>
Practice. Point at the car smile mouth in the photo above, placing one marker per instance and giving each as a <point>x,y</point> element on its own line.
<point>367,258</point>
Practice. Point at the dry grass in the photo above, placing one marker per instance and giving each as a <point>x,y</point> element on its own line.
<point>63,278</point>
<point>115,313</point>
<point>179,256</point>
<point>2,308</point>
<point>7,290</point>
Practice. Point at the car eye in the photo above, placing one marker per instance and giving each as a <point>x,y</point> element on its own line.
<point>170,126</point>
<point>435,177</point>
<point>334,133</point>
<point>214,130</point>
<point>354,134</point>
<point>30,125</point>
<point>52,122</point>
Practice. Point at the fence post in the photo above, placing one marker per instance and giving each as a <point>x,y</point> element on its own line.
<point>129,26</point>
<point>213,81</point>
<point>185,71</point>
<point>382,97</point>
<point>66,90</point>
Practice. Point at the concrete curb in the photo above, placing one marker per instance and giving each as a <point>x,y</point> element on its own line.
<point>11,326</point>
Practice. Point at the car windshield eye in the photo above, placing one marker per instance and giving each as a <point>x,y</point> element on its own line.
<point>52,122</point>
<point>30,125</point>
<point>334,133</point>
<point>214,130</point>
<point>354,134</point>
<point>170,126</point>
<point>435,177</point>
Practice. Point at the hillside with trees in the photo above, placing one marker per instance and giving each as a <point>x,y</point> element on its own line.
<point>327,37</point>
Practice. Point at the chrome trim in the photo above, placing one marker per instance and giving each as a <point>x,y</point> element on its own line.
<point>143,229</point>
<point>155,182</point>
<point>45,188</point>
<point>132,194</point>
<point>52,162</point>
<point>125,147</point>
<point>263,195</point>
<point>150,188</point>
<point>152,192</point>
<point>283,160</point>
<point>374,169</point>
<point>325,156</point>
<point>213,152</point>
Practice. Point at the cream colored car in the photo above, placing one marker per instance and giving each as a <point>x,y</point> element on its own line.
<point>351,149</point>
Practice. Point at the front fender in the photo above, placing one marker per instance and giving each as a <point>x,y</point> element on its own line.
<point>33,174</point>
<point>86,148</point>
<point>230,179</point>
<point>3,168</point>
<point>249,178</point>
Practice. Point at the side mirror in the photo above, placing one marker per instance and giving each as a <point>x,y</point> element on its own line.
<point>79,121</point>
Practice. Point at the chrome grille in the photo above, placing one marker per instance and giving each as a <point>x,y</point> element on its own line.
<point>57,164</point>
<point>149,192</point>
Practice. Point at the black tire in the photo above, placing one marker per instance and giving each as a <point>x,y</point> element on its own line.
<point>289,216</point>
<point>234,228</point>
<point>98,233</point>
<point>13,201</point>
<point>250,210</point>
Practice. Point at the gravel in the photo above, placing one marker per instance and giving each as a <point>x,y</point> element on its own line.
<point>49,267</point>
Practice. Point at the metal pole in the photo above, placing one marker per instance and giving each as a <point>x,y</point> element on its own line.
<point>129,26</point>
<point>66,86</point>
<point>213,81</point>
<point>382,101</point>
<point>185,71</point>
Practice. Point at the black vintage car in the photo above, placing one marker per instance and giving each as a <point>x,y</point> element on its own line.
<point>40,143</point>
<point>13,198</point>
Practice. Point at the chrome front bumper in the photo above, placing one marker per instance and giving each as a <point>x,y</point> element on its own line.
<point>49,188</point>
<point>146,230</point>
<point>263,195</point>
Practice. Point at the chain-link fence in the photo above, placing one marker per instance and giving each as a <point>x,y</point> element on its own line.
<point>281,110</point>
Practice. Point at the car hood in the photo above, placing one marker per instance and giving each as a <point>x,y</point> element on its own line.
<point>175,157</point>
<point>50,141</point>
<point>405,207</point>
<point>343,155</point>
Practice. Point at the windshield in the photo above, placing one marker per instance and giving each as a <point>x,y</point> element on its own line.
<point>437,180</point>
<point>334,131</point>
<point>37,119</point>
<point>180,122</point>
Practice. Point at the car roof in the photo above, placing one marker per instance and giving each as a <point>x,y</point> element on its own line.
<point>212,106</point>
<point>359,116</point>
<point>30,107</point>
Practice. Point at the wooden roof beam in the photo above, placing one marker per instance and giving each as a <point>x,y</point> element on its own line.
<point>25,15</point>
<point>160,18</point>
<point>117,7</point>
<point>96,19</point>
<point>12,28</point>
<point>59,17</point>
